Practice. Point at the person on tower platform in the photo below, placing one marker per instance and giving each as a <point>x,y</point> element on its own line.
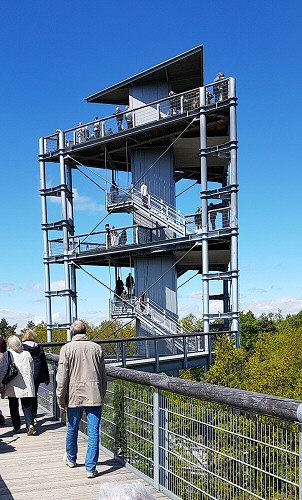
<point>130,285</point>
<point>96,127</point>
<point>119,286</point>
<point>119,119</point>
<point>213,215</point>
<point>144,193</point>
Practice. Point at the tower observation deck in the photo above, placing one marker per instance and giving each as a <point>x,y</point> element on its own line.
<point>175,128</point>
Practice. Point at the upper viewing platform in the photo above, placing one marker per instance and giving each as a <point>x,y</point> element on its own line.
<point>161,102</point>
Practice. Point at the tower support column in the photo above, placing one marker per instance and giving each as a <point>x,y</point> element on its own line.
<point>234,210</point>
<point>65,221</point>
<point>204,211</point>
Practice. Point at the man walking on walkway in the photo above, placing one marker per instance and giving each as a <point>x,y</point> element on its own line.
<point>81,385</point>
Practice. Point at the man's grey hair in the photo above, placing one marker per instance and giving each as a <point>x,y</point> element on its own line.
<point>124,491</point>
<point>78,327</point>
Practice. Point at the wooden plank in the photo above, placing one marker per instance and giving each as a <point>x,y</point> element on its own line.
<point>32,467</point>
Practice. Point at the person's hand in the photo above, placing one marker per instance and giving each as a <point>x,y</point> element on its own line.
<point>63,407</point>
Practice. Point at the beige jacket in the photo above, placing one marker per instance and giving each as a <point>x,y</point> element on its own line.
<point>22,386</point>
<point>81,377</point>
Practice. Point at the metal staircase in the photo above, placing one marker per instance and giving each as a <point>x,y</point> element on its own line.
<point>150,207</point>
<point>157,321</point>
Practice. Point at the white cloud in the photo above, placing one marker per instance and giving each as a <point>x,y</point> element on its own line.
<point>57,285</point>
<point>36,287</point>
<point>287,305</point>
<point>7,287</point>
<point>94,317</point>
<point>85,203</point>
<point>82,203</point>
<point>257,290</point>
<point>14,316</point>
<point>195,295</point>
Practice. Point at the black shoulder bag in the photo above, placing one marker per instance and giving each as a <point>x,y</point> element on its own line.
<point>11,372</point>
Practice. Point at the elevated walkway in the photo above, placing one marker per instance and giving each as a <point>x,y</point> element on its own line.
<point>32,467</point>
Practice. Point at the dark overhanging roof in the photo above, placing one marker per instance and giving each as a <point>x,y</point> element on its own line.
<point>183,72</point>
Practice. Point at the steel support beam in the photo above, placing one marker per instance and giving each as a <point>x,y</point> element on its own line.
<point>45,239</point>
<point>204,209</point>
<point>234,209</point>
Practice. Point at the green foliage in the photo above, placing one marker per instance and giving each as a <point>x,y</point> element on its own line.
<point>276,365</point>
<point>269,361</point>
<point>251,327</point>
<point>191,323</point>
<point>6,329</point>
<point>30,325</point>
<point>248,330</point>
<point>228,369</point>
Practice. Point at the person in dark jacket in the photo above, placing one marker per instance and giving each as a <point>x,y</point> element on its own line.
<point>2,345</point>
<point>2,392</point>
<point>41,373</point>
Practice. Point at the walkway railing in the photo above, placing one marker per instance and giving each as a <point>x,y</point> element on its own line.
<point>217,219</point>
<point>200,441</point>
<point>129,235</point>
<point>179,104</point>
<point>98,240</point>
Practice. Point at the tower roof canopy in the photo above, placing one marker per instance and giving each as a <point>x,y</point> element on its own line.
<point>182,72</point>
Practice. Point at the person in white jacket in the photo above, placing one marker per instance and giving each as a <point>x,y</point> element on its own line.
<point>21,386</point>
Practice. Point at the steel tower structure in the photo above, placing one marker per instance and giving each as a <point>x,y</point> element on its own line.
<point>176,128</point>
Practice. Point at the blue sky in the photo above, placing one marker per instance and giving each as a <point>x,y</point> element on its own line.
<point>54,55</point>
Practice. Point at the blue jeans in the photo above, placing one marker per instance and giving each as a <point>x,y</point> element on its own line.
<point>94,414</point>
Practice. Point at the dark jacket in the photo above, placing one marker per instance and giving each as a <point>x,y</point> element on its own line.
<point>41,373</point>
<point>2,344</point>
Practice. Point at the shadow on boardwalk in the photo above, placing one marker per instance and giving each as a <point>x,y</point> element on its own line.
<point>32,467</point>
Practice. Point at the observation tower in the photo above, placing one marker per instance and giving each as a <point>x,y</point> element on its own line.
<point>175,128</point>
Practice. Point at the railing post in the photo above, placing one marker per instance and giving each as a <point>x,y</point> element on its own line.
<point>185,348</point>
<point>156,438</point>
<point>300,461</point>
<point>156,356</point>
<point>182,103</point>
<point>136,235</point>
<point>124,354</point>
<point>55,408</point>
<point>158,111</point>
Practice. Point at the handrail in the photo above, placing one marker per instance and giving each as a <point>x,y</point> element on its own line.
<point>175,101</point>
<point>152,103</point>
<point>141,338</point>
<point>265,404</point>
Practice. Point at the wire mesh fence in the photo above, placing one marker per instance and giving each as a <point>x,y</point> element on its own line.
<point>195,449</point>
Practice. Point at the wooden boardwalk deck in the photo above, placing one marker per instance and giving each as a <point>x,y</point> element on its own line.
<point>31,467</point>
